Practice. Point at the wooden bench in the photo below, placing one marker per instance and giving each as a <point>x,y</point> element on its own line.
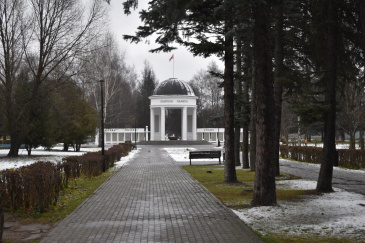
<point>205,155</point>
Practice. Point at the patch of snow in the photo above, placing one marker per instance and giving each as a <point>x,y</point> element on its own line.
<point>125,160</point>
<point>339,214</point>
<point>338,145</point>
<point>179,154</point>
<point>55,155</point>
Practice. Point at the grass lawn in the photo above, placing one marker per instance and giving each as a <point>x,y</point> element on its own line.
<point>239,195</point>
<point>236,195</point>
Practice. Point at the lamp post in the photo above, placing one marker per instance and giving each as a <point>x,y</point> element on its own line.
<point>102,124</point>
<point>135,133</point>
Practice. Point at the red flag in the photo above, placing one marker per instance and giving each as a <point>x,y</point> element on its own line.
<point>172,57</point>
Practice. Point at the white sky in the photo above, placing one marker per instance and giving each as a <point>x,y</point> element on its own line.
<point>186,65</point>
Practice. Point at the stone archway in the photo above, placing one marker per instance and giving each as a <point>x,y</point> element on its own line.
<point>173,94</point>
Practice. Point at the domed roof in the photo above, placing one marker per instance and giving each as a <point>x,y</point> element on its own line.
<point>173,86</point>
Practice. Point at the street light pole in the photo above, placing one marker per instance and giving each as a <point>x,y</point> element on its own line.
<point>135,134</point>
<point>102,124</point>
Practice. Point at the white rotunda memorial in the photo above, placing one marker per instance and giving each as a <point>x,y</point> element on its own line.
<point>173,94</point>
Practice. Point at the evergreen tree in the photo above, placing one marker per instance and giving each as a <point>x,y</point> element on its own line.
<point>146,88</point>
<point>264,187</point>
<point>198,20</point>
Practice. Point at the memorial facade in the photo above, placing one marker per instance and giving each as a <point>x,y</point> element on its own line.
<point>173,94</point>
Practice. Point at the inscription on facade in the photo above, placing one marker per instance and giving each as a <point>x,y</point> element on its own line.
<point>209,129</point>
<point>174,101</point>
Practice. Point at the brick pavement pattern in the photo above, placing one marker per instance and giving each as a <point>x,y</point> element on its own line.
<point>151,200</point>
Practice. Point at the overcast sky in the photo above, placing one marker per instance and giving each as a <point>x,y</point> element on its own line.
<point>186,65</point>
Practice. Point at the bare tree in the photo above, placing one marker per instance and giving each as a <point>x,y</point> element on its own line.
<point>59,33</point>
<point>352,114</point>
<point>107,62</point>
<point>207,86</point>
<point>12,32</point>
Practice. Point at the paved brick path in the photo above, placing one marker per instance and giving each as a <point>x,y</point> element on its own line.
<point>151,200</point>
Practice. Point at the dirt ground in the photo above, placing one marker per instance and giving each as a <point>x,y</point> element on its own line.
<point>14,231</point>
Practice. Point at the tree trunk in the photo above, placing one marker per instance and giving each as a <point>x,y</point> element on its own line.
<point>278,87</point>
<point>264,187</point>
<point>324,183</point>
<point>361,141</point>
<point>15,143</point>
<point>362,24</point>
<point>253,120</point>
<point>29,149</point>
<point>352,139</point>
<point>229,166</point>
<point>65,146</point>
<point>238,88</point>
<point>246,105</point>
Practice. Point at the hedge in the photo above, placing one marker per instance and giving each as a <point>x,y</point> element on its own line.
<point>38,185</point>
<point>348,158</point>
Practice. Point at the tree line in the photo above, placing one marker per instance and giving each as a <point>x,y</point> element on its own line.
<point>284,60</point>
<point>53,55</point>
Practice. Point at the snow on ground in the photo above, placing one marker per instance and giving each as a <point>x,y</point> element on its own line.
<point>55,155</point>
<point>124,160</point>
<point>179,154</point>
<point>340,214</point>
<point>338,145</point>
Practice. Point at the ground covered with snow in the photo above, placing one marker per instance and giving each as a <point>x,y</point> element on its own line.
<point>124,160</point>
<point>339,214</point>
<point>54,155</point>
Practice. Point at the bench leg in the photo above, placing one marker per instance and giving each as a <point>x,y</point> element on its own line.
<point>219,160</point>
<point>190,161</point>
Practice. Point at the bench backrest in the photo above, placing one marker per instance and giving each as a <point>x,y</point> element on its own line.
<point>204,154</point>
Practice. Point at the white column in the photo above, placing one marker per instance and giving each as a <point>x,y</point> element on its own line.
<point>152,123</point>
<point>97,138</point>
<point>146,133</point>
<point>194,123</point>
<point>184,127</point>
<point>162,123</point>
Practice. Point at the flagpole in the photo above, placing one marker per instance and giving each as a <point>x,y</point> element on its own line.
<point>173,65</point>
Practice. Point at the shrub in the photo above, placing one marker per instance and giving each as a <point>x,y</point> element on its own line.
<point>347,158</point>
<point>352,158</point>
<point>2,193</point>
<point>38,185</point>
<point>34,186</point>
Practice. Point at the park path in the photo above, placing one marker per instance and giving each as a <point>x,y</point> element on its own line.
<point>349,180</point>
<point>151,200</point>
